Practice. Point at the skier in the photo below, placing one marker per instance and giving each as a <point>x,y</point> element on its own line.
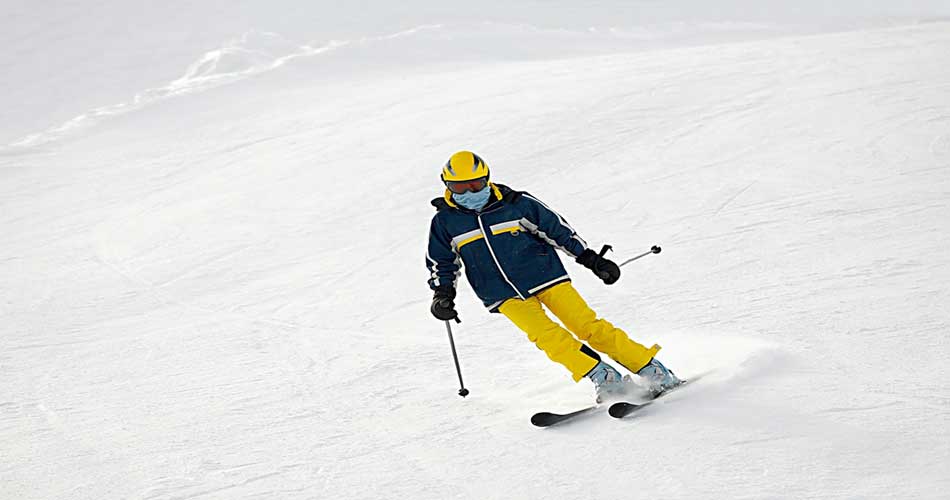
<point>506,241</point>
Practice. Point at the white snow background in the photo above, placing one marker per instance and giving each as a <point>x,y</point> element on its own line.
<point>213,218</point>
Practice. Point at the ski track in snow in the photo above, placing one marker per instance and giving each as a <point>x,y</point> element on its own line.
<point>255,53</point>
<point>235,307</point>
<point>251,54</point>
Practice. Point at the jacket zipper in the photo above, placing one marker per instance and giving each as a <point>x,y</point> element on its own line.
<point>495,258</point>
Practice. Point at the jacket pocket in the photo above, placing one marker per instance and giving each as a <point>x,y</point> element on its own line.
<point>532,256</point>
<point>474,277</point>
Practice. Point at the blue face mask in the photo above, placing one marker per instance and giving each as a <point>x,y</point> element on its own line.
<point>473,200</point>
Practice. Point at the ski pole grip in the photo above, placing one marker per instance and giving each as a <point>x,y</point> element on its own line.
<point>655,249</point>
<point>602,274</point>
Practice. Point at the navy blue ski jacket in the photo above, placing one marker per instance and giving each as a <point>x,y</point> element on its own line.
<point>507,249</point>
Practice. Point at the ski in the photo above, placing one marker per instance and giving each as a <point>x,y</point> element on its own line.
<point>622,409</point>
<point>547,419</point>
<point>619,409</point>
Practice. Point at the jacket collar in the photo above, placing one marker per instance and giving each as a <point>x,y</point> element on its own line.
<point>500,193</point>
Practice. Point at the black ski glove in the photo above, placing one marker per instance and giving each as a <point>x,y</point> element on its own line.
<point>605,269</point>
<point>443,304</point>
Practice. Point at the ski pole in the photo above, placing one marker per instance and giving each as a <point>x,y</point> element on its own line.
<point>655,249</point>
<point>463,391</point>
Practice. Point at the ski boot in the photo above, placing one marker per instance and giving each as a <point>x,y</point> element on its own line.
<point>608,382</point>
<point>658,378</point>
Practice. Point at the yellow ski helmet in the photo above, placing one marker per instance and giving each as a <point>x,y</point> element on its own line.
<point>464,166</point>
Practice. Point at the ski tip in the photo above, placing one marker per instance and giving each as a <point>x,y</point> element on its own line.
<point>547,419</point>
<point>542,419</point>
<point>621,409</point>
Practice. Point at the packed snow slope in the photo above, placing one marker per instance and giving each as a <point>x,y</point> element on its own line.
<point>214,283</point>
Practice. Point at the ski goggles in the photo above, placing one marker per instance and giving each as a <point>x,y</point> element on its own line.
<point>459,187</point>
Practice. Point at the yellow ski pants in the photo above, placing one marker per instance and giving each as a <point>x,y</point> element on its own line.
<point>558,343</point>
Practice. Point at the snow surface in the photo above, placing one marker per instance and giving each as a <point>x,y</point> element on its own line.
<point>214,219</point>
